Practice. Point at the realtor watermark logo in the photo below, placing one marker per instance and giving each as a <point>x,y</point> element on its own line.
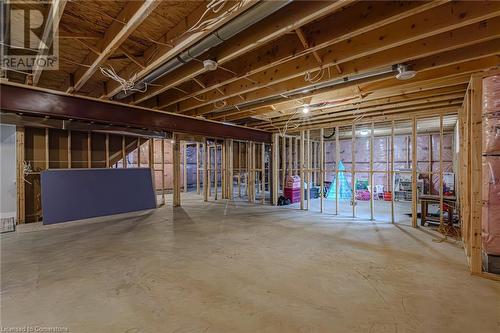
<point>29,37</point>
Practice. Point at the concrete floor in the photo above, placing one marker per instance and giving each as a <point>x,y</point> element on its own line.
<point>217,267</point>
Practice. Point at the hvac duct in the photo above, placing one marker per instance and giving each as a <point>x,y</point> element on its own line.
<point>240,23</point>
<point>382,73</point>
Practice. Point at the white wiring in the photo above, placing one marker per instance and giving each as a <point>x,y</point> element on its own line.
<point>127,85</point>
<point>282,131</point>
<point>214,6</point>
<point>316,77</point>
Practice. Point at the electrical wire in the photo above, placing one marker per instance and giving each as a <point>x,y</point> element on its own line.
<point>214,6</point>
<point>127,85</point>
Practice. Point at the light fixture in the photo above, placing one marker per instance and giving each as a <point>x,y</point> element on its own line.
<point>305,110</point>
<point>363,132</point>
<point>404,73</point>
<point>209,65</point>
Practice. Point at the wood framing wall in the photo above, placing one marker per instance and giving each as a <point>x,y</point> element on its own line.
<point>470,168</point>
<point>39,149</point>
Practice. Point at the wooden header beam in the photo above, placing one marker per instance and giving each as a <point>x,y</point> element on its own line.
<point>43,102</point>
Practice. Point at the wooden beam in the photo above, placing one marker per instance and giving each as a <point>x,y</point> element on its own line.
<point>134,13</point>
<point>124,152</point>
<point>283,162</point>
<point>371,111</point>
<point>162,151</point>
<point>184,146</point>
<point>391,175</point>
<point>308,168</point>
<point>51,26</point>
<point>476,173</point>
<point>433,78</point>
<point>268,29</point>
<point>321,167</point>
<point>303,40</point>
<point>133,58</point>
<point>170,44</point>
<point>263,172</point>
<point>206,176</point>
<point>139,152</point>
<point>20,186</point>
<point>106,150</point>
<point>69,148</point>
<point>347,23</point>
<point>47,149</point>
<point>216,170</point>
<point>64,33</point>
<point>379,105</point>
<point>337,160</point>
<point>176,157</point>
<point>372,184</point>
<point>302,167</point>
<point>93,48</point>
<point>353,169</point>
<point>275,168</point>
<point>383,116</point>
<point>414,188</point>
<point>197,168</point>
<point>436,39</point>
<point>441,213</point>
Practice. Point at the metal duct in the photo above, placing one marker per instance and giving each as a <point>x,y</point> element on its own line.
<point>383,72</point>
<point>240,23</point>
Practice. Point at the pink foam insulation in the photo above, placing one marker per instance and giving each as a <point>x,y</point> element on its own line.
<point>491,133</point>
<point>491,94</point>
<point>491,165</point>
<point>491,205</point>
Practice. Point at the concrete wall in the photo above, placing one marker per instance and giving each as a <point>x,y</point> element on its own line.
<point>7,170</point>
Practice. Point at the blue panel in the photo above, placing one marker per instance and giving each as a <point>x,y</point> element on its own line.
<point>75,194</point>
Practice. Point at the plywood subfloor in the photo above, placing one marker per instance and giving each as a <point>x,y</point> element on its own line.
<point>217,267</point>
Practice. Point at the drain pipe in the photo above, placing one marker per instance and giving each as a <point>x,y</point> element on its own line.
<point>240,23</point>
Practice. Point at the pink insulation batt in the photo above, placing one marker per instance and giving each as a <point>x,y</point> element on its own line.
<point>491,94</point>
<point>491,205</point>
<point>491,115</point>
<point>491,133</point>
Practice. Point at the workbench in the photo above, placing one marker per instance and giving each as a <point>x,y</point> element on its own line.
<point>426,199</point>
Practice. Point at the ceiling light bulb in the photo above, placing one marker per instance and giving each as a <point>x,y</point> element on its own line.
<point>305,109</point>
<point>404,73</point>
<point>363,132</point>
<point>209,65</point>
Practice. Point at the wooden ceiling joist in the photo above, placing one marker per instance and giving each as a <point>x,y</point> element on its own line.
<point>349,22</point>
<point>472,52</point>
<point>293,15</point>
<point>54,17</point>
<point>380,117</point>
<point>418,104</point>
<point>418,97</point>
<point>378,60</point>
<point>134,13</point>
<point>434,40</point>
<point>429,79</point>
<point>175,41</point>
